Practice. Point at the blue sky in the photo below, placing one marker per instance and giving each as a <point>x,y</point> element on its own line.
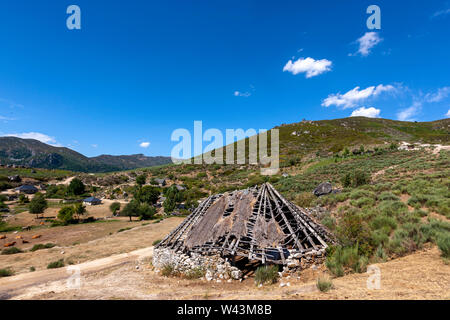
<point>137,70</point>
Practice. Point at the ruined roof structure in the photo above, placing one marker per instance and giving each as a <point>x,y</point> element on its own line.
<point>256,223</point>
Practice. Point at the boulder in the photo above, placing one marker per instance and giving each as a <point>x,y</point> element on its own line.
<point>323,189</point>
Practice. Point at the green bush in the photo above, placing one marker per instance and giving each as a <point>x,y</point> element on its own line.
<point>41,246</point>
<point>360,193</point>
<point>392,208</point>
<point>168,270</point>
<point>443,243</point>
<point>363,202</point>
<point>56,264</point>
<point>346,257</point>
<point>383,222</point>
<point>195,273</point>
<point>385,196</point>
<point>305,199</point>
<point>156,242</point>
<point>6,272</point>
<point>324,284</point>
<point>266,275</point>
<point>12,250</point>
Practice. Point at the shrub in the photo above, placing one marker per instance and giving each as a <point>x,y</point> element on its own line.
<point>6,272</point>
<point>346,257</point>
<point>195,273</point>
<point>407,239</point>
<point>168,270</point>
<point>12,250</point>
<point>56,264</point>
<point>156,242</point>
<point>380,253</point>
<point>363,202</point>
<point>392,208</point>
<point>379,237</point>
<point>383,222</point>
<point>359,193</point>
<point>360,178</point>
<point>384,196</point>
<point>346,180</point>
<point>324,284</point>
<point>305,199</point>
<point>41,246</point>
<point>266,275</point>
<point>443,243</point>
<point>353,229</point>
<point>329,222</point>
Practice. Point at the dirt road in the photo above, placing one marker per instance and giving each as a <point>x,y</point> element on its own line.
<point>12,286</point>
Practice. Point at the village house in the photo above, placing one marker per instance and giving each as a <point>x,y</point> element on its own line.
<point>92,201</point>
<point>27,189</point>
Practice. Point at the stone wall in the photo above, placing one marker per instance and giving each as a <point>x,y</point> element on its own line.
<point>216,268</point>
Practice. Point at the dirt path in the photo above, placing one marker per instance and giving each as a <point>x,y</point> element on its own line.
<point>422,275</point>
<point>11,286</point>
<point>94,241</point>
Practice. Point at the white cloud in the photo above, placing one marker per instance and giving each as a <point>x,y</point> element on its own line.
<point>242,94</point>
<point>441,13</point>
<point>367,42</point>
<point>366,112</point>
<point>448,114</point>
<point>309,66</point>
<point>352,97</point>
<point>145,144</point>
<point>409,113</point>
<point>6,118</point>
<point>36,136</point>
<point>94,145</point>
<point>440,95</point>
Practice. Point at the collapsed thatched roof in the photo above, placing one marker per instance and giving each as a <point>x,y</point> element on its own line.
<point>257,223</point>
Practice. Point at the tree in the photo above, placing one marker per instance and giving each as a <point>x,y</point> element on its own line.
<point>131,209</point>
<point>114,207</point>
<point>66,214</point>
<point>146,211</point>
<point>38,204</point>
<point>140,180</point>
<point>76,187</point>
<point>173,196</point>
<point>147,194</point>
<point>23,199</point>
<point>79,210</point>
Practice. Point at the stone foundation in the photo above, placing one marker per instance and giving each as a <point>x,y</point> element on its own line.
<point>216,268</point>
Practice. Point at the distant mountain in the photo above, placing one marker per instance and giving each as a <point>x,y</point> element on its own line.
<point>36,154</point>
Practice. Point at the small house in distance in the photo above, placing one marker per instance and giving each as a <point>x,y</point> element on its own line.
<point>161,182</point>
<point>180,188</point>
<point>92,201</point>
<point>27,189</point>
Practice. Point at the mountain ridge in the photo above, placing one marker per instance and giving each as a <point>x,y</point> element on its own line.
<point>34,153</point>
